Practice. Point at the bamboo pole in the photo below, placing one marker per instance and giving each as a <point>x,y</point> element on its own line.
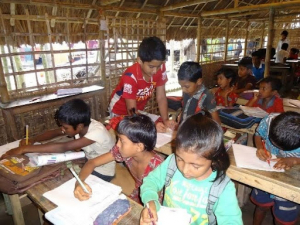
<point>3,87</point>
<point>226,39</point>
<point>185,4</point>
<point>249,8</point>
<point>12,12</point>
<point>270,40</point>
<point>198,39</point>
<point>262,36</point>
<point>246,38</point>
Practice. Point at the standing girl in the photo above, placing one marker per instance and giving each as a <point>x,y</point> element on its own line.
<point>224,95</point>
<point>200,159</point>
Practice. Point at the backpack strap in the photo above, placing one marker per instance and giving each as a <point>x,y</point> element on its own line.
<point>171,170</point>
<point>214,194</point>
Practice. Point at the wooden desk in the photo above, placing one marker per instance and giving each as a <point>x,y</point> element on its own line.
<point>36,195</point>
<point>285,185</point>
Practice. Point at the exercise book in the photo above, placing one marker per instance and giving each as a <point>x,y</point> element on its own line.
<point>245,157</point>
<point>103,194</point>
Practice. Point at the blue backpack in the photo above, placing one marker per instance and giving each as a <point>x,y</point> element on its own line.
<point>236,118</point>
<point>214,192</point>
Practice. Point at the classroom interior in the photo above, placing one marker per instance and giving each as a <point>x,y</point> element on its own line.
<point>51,45</point>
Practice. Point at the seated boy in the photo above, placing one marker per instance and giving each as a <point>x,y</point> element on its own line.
<point>74,119</point>
<point>196,97</point>
<point>267,98</point>
<point>140,80</point>
<point>258,67</point>
<point>246,81</point>
<point>281,134</point>
<point>283,54</point>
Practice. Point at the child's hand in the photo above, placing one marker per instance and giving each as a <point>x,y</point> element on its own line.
<point>229,91</point>
<point>256,95</point>
<point>285,163</point>
<point>263,155</point>
<point>80,193</point>
<point>146,218</point>
<point>14,151</point>
<point>160,127</point>
<point>171,124</point>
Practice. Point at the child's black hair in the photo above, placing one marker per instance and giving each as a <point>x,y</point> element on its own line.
<point>228,73</point>
<point>257,54</point>
<point>190,71</point>
<point>284,46</point>
<point>294,51</point>
<point>285,33</point>
<point>139,129</point>
<point>202,135</point>
<point>284,131</point>
<point>274,82</point>
<point>152,48</point>
<point>246,62</point>
<point>73,113</point>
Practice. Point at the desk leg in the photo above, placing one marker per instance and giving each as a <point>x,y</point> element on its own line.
<point>16,209</point>
<point>41,216</point>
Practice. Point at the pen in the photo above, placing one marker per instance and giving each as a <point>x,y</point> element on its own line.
<point>27,133</point>
<point>150,213</point>
<point>79,181</point>
<point>266,152</point>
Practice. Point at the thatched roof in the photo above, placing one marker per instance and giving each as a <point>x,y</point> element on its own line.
<point>35,19</point>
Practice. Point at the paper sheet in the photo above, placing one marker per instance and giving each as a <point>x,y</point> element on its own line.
<point>153,117</point>
<point>104,193</point>
<point>174,216</point>
<point>254,111</point>
<point>41,159</point>
<point>5,148</point>
<point>245,157</point>
<point>164,138</point>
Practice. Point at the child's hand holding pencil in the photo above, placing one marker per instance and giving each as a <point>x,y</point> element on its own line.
<point>263,154</point>
<point>149,214</point>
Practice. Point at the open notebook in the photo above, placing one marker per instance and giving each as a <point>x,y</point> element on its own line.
<point>74,211</point>
<point>245,157</point>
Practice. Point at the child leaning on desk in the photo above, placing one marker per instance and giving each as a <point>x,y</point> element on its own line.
<point>201,158</point>
<point>268,98</point>
<point>281,134</point>
<point>74,120</point>
<point>196,97</point>
<point>136,140</point>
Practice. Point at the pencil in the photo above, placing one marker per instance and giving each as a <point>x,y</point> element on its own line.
<point>266,152</point>
<point>150,213</point>
<point>27,134</point>
<point>79,181</point>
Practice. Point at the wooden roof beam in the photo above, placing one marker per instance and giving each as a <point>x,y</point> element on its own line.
<point>12,12</point>
<point>249,8</point>
<point>89,13</point>
<point>184,4</point>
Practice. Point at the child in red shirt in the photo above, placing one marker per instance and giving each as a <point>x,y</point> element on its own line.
<point>226,80</point>
<point>267,98</point>
<point>136,141</point>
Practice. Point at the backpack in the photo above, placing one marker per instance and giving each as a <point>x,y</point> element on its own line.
<point>214,193</point>
<point>236,118</point>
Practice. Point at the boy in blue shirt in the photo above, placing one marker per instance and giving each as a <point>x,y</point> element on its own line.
<point>281,133</point>
<point>258,67</point>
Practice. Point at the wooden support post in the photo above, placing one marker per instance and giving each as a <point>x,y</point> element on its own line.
<point>3,87</point>
<point>246,38</point>
<point>226,40</point>
<point>262,36</point>
<point>270,40</point>
<point>12,12</point>
<point>198,39</point>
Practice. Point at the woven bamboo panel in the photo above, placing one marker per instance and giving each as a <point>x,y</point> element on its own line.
<point>40,116</point>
